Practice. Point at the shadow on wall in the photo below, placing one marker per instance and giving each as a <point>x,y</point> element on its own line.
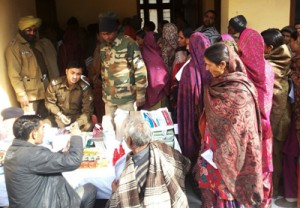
<point>4,99</point>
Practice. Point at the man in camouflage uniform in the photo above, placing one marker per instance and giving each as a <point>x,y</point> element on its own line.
<point>124,74</point>
<point>69,99</point>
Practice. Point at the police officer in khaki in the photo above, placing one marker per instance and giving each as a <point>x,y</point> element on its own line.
<point>26,66</point>
<point>69,99</point>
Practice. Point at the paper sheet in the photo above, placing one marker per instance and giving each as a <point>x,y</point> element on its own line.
<point>176,128</point>
<point>179,73</point>
<point>208,156</point>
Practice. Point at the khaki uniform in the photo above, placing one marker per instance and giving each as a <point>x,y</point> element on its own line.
<point>23,70</point>
<point>76,103</point>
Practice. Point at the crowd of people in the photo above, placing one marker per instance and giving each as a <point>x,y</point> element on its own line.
<point>234,96</point>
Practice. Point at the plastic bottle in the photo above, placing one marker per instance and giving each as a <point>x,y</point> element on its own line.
<point>90,144</point>
<point>116,156</point>
<point>97,131</point>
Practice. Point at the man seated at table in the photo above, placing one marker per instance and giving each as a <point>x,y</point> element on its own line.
<point>69,99</point>
<point>33,173</point>
<point>154,173</point>
<point>9,116</point>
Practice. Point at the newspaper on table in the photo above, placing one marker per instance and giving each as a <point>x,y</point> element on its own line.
<point>161,125</point>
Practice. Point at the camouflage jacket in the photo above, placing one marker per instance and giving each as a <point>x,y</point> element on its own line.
<point>123,71</point>
<point>75,102</point>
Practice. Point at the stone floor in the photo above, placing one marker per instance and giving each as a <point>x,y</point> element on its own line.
<point>193,198</point>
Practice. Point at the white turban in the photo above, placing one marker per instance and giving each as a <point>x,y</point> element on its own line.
<point>28,21</point>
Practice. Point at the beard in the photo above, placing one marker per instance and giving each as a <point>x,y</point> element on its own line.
<point>29,38</point>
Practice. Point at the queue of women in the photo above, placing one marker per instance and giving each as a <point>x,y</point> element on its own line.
<point>239,101</point>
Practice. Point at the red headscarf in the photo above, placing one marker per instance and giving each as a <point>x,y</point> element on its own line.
<point>260,72</point>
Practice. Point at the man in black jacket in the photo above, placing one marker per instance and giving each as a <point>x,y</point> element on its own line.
<point>33,173</point>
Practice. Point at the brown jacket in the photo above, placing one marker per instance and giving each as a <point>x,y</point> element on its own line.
<point>23,70</point>
<point>48,51</point>
<point>76,102</point>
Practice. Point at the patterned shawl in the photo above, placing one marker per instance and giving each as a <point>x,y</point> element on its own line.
<point>157,72</point>
<point>295,75</point>
<point>280,60</point>
<point>259,71</point>
<point>229,40</point>
<point>164,184</point>
<point>233,119</point>
<point>169,44</point>
<point>190,97</point>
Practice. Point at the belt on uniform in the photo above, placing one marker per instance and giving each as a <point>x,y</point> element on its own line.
<point>42,79</point>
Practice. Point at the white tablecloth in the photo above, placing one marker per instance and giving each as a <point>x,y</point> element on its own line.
<point>3,192</point>
<point>100,177</point>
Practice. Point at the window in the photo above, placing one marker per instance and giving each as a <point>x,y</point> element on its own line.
<point>155,10</point>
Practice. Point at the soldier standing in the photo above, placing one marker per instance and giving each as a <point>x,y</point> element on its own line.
<point>27,70</point>
<point>124,74</point>
<point>69,99</point>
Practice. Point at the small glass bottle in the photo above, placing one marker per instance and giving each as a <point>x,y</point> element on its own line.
<point>121,150</point>
<point>97,131</point>
<point>116,156</point>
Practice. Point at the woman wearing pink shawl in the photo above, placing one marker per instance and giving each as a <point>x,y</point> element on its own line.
<point>259,71</point>
<point>231,130</point>
<point>157,73</point>
<point>190,97</point>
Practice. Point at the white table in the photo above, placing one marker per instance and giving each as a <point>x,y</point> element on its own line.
<point>100,177</point>
<point>3,192</point>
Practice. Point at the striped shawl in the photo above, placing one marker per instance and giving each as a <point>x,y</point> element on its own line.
<point>164,184</point>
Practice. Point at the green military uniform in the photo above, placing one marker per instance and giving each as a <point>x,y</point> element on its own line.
<point>124,74</point>
<point>76,103</point>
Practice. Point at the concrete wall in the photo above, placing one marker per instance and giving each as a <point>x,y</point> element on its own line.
<point>207,5</point>
<point>87,11</point>
<point>260,14</point>
<point>10,12</point>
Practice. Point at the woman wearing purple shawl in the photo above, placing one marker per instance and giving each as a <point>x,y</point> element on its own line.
<point>157,73</point>
<point>190,97</point>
